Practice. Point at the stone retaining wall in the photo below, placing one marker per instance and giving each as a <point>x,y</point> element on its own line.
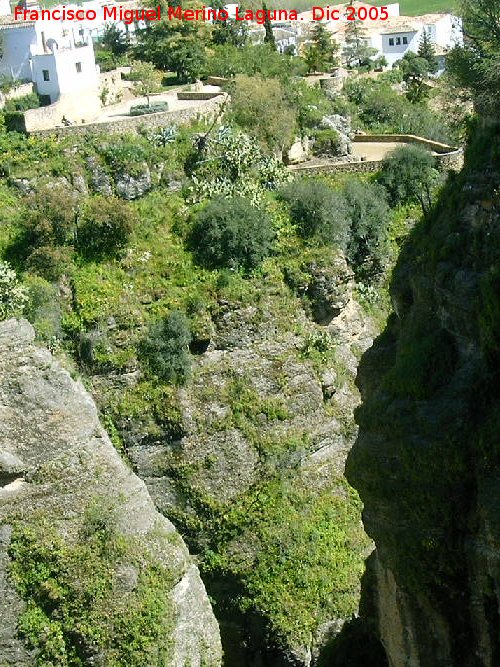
<point>135,123</point>
<point>452,161</point>
<point>435,146</point>
<point>196,95</point>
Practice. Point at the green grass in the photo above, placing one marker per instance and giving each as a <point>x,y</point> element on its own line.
<point>419,7</point>
<point>407,7</point>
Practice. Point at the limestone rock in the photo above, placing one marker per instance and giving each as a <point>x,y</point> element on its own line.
<point>426,462</point>
<point>130,186</point>
<point>342,125</point>
<point>52,441</point>
<point>101,181</point>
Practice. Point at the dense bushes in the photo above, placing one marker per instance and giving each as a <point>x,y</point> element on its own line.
<point>409,176</point>
<point>326,142</point>
<point>379,108</point>
<point>51,217</point>
<point>165,349</point>
<point>104,227</point>
<point>58,222</point>
<point>141,109</point>
<point>12,295</point>
<point>369,217</point>
<point>318,211</point>
<point>355,219</point>
<point>260,107</point>
<point>231,233</point>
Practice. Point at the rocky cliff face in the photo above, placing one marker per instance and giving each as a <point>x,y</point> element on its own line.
<point>89,571</point>
<point>248,460</point>
<point>426,461</point>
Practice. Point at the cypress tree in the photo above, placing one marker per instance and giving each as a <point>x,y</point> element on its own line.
<point>426,50</point>
<point>269,38</point>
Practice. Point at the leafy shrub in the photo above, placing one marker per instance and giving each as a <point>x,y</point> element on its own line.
<point>126,154</point>
<point>30,101</point>
<point>369,217</point>
<point>50,262</point>
<point>141,109</point>
<point>231,163</point>
<point>13,296</point>
<point>231,233</point>
<point>43,309</point>
<point>51,217</point>
<point>165,349</point>
<point>409,175</point>
<point>326,142</point>
<point>105,227</point>
<point>260,107</point>
<point>318,211</point>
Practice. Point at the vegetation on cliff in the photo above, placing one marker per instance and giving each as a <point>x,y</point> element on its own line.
<point>216,309</point>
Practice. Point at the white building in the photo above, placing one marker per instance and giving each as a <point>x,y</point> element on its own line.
<point>403,34</point>
<point>395,35</point>
<point>57,57</point>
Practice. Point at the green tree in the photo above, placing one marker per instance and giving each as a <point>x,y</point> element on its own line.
<point>231,233</point>
<point>318,211</point>
<point>50,217</point>
<point>427,51</point>
<point>186,57</point>
<point>415,73</point>
<point>356,52</point>
<point>104,226</point>
<point>228,32</point>
<point>321,54</point>
<point>114,40</point>
<point>409,175</point>
<point>476,66</point>
<point>165,349</point>
<point>269,36</point>
<point>369,217</point>
<point>145,78</point>
<point>261,107</point>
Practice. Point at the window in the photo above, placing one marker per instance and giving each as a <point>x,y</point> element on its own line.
<point>405,40</point>
<point>78,67</point>
<point>398,41</point>
<point>391,41</point>
<point>46,75</point>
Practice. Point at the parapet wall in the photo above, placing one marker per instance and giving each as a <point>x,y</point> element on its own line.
<point>452,161</point>
<point>447,157</point>
<point>435,146</point>
<point>135,123</point>
<point>85,107</point>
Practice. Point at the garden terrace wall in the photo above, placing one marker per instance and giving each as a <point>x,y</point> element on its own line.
<point>452,161</point>
<point>136,123</point>
<point>435,146</point>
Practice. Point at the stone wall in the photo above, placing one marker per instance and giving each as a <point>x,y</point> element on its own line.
<point>76,108</point>
<point>435,146</point>
<point>196,95</point>
<point>452,161</point>
<point>136,123</point>
<point>113,88</point>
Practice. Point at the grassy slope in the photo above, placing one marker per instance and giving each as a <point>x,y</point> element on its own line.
<point>419,7</point>
<point>407,7</point>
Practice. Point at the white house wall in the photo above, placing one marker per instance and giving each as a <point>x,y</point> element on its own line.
<point>64,77</point>
<point>15,44</point>
<point>396,52</point>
